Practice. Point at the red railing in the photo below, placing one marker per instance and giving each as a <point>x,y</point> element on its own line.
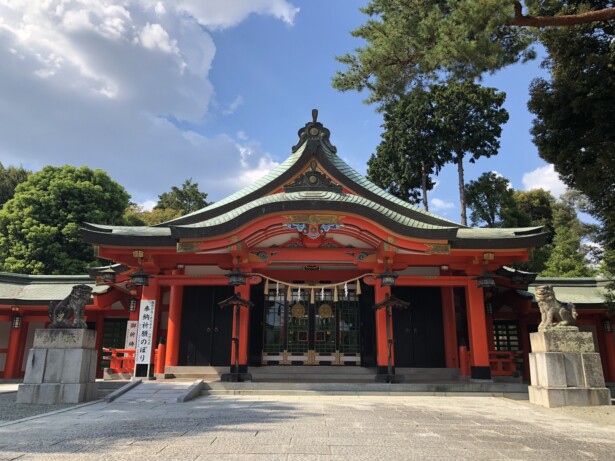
<point>120,360</point>
<point>502,363</point>
<point>506,363</point>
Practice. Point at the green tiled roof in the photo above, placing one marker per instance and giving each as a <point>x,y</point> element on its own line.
<point>268,178</point>
<point>574,290</point>
<point>362,181</point>
<point>40,289</point>
<point>319,196</point>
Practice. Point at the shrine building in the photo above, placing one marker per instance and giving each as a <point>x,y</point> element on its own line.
<point>319,267</point>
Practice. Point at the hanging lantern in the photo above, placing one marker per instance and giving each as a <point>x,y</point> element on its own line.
<point>388,279</point>
<point>139,278</point>
<point>485,280</point>
<point>488,308</point>
<point>108,275</point>
<point>132,307</point>
<point>236,278</point>
<point>16,323</point>
<point>608,327</point>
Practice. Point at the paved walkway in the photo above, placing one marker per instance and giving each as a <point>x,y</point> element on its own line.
<point>155,392</point>
<point>315,428</point>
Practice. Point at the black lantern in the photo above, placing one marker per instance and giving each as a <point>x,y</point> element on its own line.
<point>139,278</point>
<point>132,307</point>
<point>608,327</point>
<point>486,280</point>
<point>489,308</point>
<point>16,323</point>
<point>108,275</point>
<point>388,279</point>
<point>236,278</point>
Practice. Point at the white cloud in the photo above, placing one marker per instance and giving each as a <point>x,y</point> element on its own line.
<point>544,178</point>
<point>233,106</point>
<point>148,205</point>
<point>97,82</point>
<point>439,204</point>
<point>222,14</point>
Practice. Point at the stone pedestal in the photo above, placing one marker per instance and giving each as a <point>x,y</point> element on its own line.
<point>61,367</point>
<point>565,369</point>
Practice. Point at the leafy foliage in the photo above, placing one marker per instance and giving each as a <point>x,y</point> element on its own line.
<point>410,42</point>
<point>186,199</point>
<point>137,216</point>
<point>426,129</point>
<point>491,200</point>
<point>39,226</point>
<point>411,149</point>
<point>574,111</point>
<point>10,178</point>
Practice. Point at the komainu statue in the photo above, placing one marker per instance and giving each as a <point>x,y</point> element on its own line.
<point>554,314</point>
<point>73,305</point>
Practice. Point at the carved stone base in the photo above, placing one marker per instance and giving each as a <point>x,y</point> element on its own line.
<point>565,370</point>
<point>61,368</point>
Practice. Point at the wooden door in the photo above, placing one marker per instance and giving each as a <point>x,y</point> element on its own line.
<point>206,328</point>
<point>418,331</point>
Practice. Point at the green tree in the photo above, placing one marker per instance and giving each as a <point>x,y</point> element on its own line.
<point>568,256</point>
<point>470,118</point>
<point>428,128</point>
<point>574,110</point>
<point>491,201</point>
<point>410,150</point>
<point>186,199</point>
<point>409,42</point>
<point>39,226</point>
<point>137,216</point>
<point>10,178</point>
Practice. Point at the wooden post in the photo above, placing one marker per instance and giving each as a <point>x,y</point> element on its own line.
<point>382,346</point>
<point>450,328</point>
<point>11,367</point>
<point>244,325</point>
<point>174,326</point>
<point>477,326</point>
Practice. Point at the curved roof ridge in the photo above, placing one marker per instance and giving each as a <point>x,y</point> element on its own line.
<point>358,178</point>
<point>273,174</point>
<point>324,196</point>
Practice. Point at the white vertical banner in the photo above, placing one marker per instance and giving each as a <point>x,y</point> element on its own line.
<point>132,328</point>
<point>146,332</point>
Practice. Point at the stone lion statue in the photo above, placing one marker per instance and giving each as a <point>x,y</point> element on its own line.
<point>73,305</point>
<point>554,314</point>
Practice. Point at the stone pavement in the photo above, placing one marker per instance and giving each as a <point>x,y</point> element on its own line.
<point>314,428</point>
<point>151,392</point>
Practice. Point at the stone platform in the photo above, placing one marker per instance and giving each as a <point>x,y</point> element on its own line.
<point>565,370</point>
<point>61,367</point>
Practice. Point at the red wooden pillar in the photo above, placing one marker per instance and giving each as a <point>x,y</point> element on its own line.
<point>174,326</point>
<point>450,328</point>
<point>11,367</point>
<point>477,330</point>
<point>607,345</point>
<point>242,291</point>
<point>382,353</point>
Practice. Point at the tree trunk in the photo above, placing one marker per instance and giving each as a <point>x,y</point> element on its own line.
<point>424,186</point>
<point>462,193</point>
<point>603,15</point>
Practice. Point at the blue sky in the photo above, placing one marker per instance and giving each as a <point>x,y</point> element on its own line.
<point>155,92</point>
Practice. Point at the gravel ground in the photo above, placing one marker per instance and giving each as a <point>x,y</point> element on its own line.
<point>10,410</point>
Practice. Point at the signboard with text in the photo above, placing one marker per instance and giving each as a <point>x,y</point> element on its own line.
<point>132,328</point>
<point>146,331</point>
